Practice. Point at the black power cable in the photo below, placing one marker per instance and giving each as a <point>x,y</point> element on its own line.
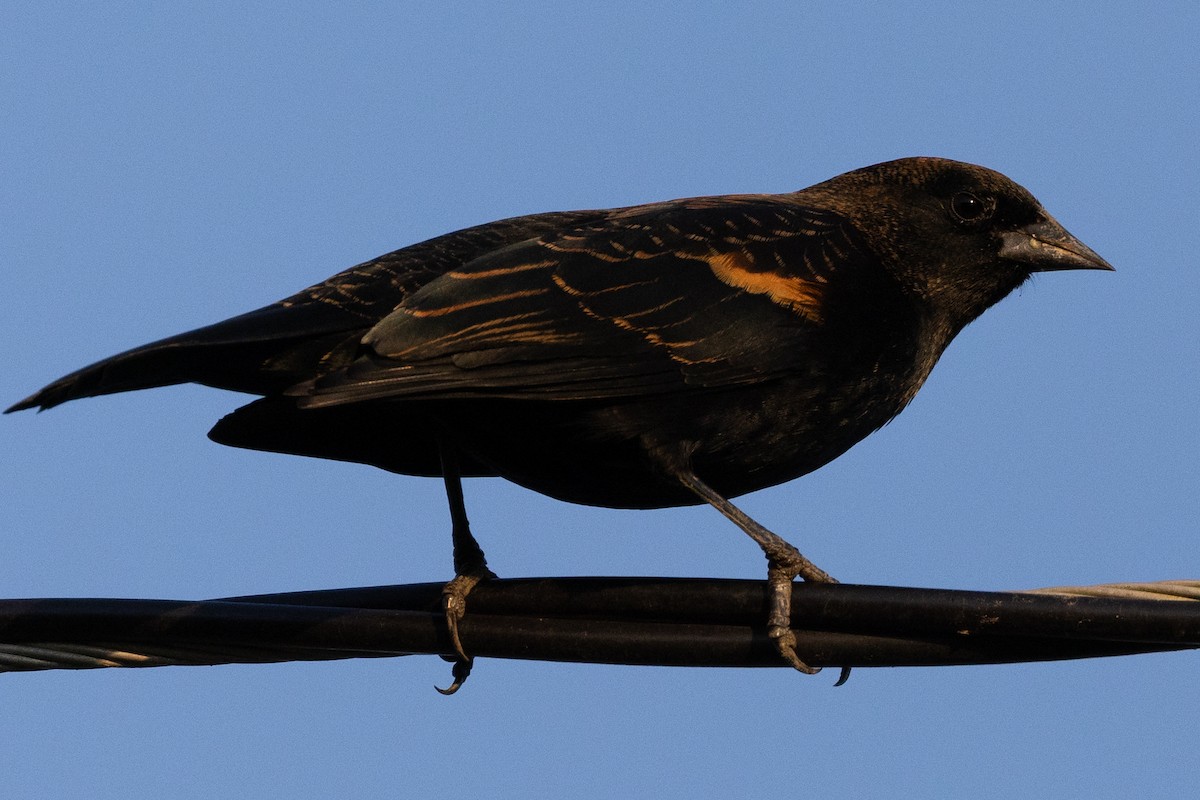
<point>663,621</point>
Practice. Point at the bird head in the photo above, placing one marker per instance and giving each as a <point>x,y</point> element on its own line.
<point>956,236</point>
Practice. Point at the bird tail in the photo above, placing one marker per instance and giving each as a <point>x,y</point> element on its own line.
<point>141,368</point>
<point>261,352</point>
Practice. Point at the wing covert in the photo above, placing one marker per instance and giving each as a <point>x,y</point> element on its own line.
<point>704,292</point>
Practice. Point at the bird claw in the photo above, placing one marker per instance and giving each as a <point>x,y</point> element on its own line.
<point>779,620</point>
<point>785,644</point>
<point>460,672</point>
<point>843,676</point>
<point>454,604</point>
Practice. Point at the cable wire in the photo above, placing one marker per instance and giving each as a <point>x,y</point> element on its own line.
<point>661,621</point>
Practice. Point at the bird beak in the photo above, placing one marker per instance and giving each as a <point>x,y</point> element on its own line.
<point>1045,246</point>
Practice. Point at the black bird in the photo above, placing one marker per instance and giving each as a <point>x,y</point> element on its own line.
<point>657,355</point>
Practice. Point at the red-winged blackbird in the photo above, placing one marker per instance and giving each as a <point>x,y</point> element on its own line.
<point>658,355</point>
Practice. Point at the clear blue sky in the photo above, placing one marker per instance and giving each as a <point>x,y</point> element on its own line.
<point>162,168</point>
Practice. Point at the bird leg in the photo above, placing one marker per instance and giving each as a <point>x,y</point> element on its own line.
<point>784,563</point>
<point>470,565</point>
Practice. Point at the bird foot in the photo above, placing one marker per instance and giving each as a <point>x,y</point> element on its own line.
<point>454,603</point>
<point>779,616</point>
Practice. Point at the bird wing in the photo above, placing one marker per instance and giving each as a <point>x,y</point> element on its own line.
<point>705,292</point>
<point>310,332</point>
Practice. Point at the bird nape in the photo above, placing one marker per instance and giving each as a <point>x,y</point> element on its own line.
<point>667,354</point>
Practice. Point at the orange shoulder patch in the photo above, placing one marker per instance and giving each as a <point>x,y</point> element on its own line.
<point>737,270</point>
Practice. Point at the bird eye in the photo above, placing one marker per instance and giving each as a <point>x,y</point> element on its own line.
<point>967,207</point>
